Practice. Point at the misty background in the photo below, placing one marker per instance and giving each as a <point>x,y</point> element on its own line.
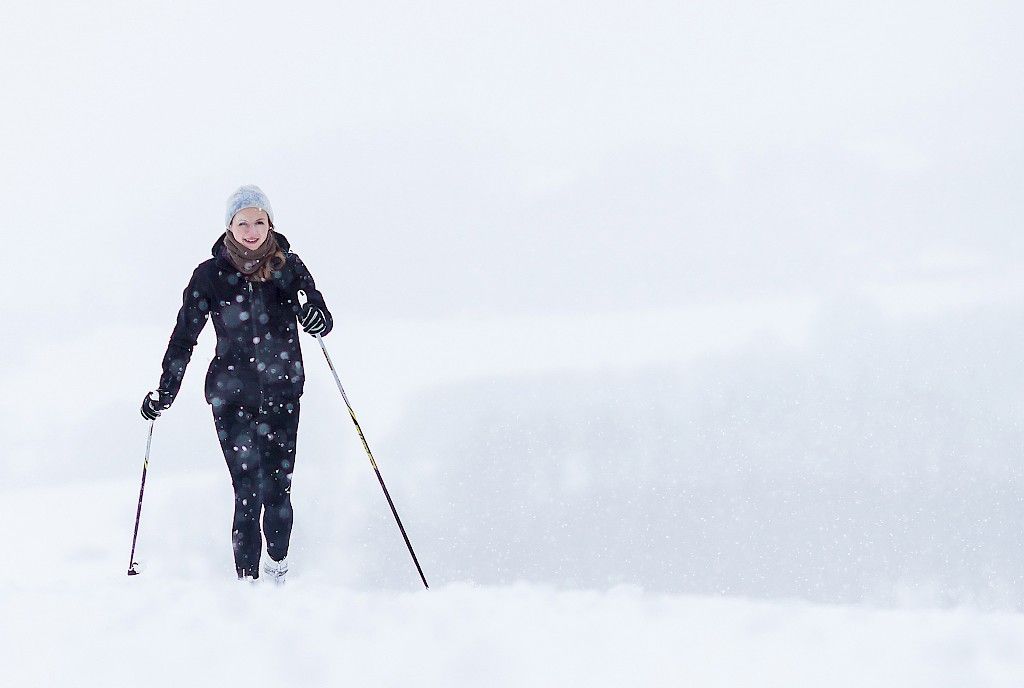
<point>711,298</point>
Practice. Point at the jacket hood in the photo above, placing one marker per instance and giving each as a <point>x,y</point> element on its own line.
<point>217,250</point>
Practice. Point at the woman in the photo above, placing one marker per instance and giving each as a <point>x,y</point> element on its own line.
<point>249,287</point>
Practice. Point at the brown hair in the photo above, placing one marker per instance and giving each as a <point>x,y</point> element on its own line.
<point>266,271</point>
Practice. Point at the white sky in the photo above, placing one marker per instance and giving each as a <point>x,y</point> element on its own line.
<point>480,158</point>
<point>467,157</point>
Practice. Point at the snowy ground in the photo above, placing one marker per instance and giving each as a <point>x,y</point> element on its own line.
<point>548,577</point>
<point>72,617</point>
<point>160,631</point>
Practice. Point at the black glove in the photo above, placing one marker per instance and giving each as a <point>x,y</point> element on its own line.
<point>312,319</point>
<point>151,408</point>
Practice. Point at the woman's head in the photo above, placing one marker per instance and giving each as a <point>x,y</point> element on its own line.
<point>249,216</point>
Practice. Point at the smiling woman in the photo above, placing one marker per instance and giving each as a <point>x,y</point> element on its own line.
<point>249,288</point>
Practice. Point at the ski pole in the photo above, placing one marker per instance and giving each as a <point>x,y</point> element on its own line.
<point>133,566</point>
<point>373,463</point>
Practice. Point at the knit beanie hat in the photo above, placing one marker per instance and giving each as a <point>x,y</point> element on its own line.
<point>248,196</point>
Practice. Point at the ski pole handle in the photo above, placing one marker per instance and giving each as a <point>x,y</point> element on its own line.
<point>303,300</point>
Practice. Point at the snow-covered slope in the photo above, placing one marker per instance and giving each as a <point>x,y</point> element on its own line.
<point>71,617</point>
<point>172,631</point>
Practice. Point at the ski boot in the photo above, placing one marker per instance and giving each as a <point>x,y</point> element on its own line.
<point>276,570</point>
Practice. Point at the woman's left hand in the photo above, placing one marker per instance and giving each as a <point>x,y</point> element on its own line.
<point>312,319</point>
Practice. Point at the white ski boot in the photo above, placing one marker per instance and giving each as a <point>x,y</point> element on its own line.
<point>276,570</point>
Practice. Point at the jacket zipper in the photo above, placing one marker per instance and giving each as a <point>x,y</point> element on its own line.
<point>255,338</point>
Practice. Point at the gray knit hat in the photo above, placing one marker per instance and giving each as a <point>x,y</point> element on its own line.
<point>247,196</point>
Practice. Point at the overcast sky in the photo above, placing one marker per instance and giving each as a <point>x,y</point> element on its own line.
<point>477,158</point>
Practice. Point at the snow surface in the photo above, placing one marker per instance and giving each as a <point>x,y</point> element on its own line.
<point>71,615</point>
<point>161,630</point>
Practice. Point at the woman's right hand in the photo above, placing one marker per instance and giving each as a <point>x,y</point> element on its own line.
<point>151,407</point>
<point>311,319</point>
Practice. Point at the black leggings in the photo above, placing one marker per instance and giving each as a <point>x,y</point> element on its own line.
<point>259,447</point>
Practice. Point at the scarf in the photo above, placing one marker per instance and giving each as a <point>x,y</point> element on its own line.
<point>246,260</point>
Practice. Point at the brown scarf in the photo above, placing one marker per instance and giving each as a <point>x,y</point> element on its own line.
<point>248,261</point>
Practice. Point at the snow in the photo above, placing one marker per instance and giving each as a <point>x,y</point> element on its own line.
<point>572,529</point>
<point>159,630</point>
<point>72,617</point>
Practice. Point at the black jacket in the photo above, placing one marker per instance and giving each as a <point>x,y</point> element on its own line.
<point>258,357</point>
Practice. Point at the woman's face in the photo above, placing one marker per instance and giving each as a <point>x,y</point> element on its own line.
<point>250,227</point>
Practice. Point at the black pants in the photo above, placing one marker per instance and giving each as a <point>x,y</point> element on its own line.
<point>259,447</point>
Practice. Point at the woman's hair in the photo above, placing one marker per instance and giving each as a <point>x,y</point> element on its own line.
<point>274,263</point>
